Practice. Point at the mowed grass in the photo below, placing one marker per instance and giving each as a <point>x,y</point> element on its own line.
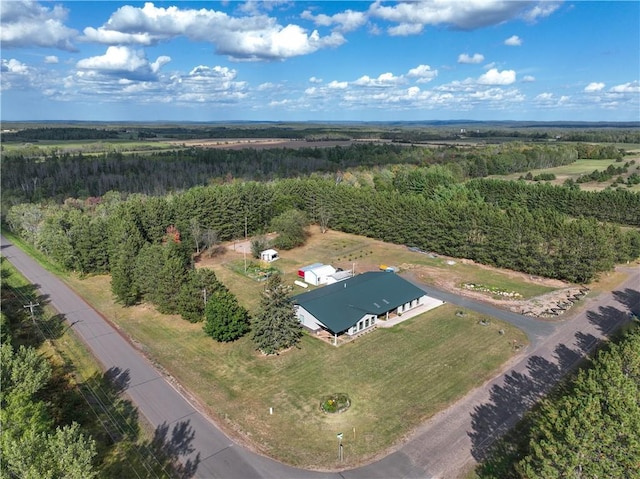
<point>396,378</point>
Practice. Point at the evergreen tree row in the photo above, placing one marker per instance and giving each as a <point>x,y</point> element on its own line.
<point>449,218</point>
<point>616,206</point>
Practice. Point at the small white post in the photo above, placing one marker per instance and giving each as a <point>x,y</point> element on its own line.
<point>270,410</point>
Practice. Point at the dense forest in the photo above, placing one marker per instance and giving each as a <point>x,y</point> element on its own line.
<point>80,176</point>
<point>447,217</point>
<point>141,217</point>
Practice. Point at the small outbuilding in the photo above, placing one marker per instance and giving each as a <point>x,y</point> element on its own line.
<point>269,255</point>
<point>319,275</point>
<point>302,270</point>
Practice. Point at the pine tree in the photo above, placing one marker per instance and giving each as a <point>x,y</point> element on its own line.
<point>276,326</point>
<point>226,320</point>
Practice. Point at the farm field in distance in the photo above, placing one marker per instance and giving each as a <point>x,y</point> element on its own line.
<point>584,167</point>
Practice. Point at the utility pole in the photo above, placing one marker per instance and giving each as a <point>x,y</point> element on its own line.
<point>204,293</point>
<point>31,306</point>
<point>244,249</point>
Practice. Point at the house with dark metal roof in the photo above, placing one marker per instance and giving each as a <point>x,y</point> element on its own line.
<point>356,304</point>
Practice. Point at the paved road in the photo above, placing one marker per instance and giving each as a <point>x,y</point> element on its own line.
<point>440,448</point>
<point>214,455</point>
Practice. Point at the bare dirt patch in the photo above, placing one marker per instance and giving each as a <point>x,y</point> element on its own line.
<point>531,295</point>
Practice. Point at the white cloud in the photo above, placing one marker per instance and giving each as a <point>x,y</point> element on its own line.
<point>465,58</point>
<point>467,15</point>
<point>15,75</point>
<point>26,23</point>
<point>14,66</point>
<point>544,96</point>
<point>255,37</point>
<point>423,73</point>
<point>495,77</point>
<point>102,35</point>
<point>384,80</point>
<point>528,79</point>
<point>210,84</point>
<point>123,62</point>
<point>513,41</point>
<point>405,29</point>
<point>593,87</point>
<point>51,59</point>
<point>541,10</point>
<point>315,80</point>
<point>632,87</point>
<point>344,22</point>
<point>338,85</point>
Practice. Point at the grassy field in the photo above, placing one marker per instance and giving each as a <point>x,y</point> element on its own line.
<point>396,378</point>
<point>44,147</point>
<point>584,167</point>
<point>365,254</point>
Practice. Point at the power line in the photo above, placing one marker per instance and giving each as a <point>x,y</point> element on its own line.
<point>109,420</point>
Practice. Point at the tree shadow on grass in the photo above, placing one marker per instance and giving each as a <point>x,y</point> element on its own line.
<point>123,451</point>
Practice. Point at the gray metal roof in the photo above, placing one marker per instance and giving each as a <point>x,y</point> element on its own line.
<point>341,305</point>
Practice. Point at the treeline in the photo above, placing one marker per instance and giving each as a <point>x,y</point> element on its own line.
<point>58,422</point>
<point>59,134</point>
<point>448,218</point>
<point>589,428</point>
<point>616,206</point>
<point>78,176</point>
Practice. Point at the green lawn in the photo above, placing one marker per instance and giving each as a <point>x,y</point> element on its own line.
<point>396,378</point>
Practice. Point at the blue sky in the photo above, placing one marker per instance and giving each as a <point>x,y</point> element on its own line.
<point>321,60</point>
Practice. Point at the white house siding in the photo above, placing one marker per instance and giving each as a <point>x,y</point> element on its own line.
<point>307,319</point>
<point>414,303</point>
<point>367,322</point>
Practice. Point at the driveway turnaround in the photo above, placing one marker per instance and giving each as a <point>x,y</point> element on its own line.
<point>441,448</point>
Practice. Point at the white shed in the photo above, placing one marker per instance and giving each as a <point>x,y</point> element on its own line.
<point>319,275</point>
<point>269,255</point>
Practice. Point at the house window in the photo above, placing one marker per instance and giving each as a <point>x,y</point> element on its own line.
<point>366,323</point>
<point>373,320</point>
